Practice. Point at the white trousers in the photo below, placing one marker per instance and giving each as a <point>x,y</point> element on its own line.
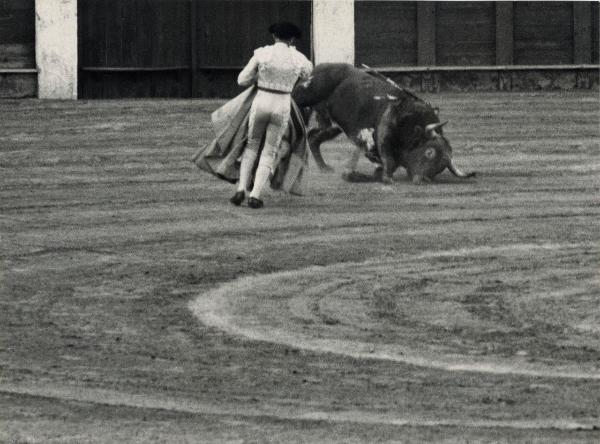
<point>269,116</point>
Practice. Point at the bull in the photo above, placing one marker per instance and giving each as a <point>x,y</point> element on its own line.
<point>390,125</point>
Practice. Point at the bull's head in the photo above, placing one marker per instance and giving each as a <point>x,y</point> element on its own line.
<point>431,155</point>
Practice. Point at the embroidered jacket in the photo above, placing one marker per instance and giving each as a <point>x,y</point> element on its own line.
<point>275,67</point>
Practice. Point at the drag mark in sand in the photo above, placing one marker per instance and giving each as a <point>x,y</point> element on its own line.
<point>389,309</point>
<point>73,393</point>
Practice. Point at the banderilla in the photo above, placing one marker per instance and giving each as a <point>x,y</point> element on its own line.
<point>390,81</point>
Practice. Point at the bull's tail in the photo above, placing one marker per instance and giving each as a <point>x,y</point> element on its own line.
<point>322,82</point>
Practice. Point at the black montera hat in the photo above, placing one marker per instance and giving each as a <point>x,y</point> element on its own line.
<point>285,30</point>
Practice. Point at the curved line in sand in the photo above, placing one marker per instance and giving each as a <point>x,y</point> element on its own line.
<point>193,406</point>
<point>213,308</point>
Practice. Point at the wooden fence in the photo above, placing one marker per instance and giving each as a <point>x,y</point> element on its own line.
<point>195,48</point>
<point>434,46</point>
<point>176,48</point>
<point>17,48</point>
<point>476,33</point>
<point>188,48</point>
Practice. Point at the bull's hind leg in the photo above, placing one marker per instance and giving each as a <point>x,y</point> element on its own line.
<point>322,133</point>
<point>316,137</point>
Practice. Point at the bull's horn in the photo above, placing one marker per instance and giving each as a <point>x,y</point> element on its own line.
<point>432,127</point>
<point>458,173</point>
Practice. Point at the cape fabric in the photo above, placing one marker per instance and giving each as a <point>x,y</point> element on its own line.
<point>221,157</point>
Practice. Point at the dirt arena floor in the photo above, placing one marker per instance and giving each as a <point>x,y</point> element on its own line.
<point>138,305</point>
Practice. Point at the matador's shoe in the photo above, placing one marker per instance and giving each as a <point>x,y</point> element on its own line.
<point>253,202</point>
<point>238,198</point>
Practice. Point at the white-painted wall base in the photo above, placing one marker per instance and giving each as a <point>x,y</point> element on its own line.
<point>333,31</point>
<point>56,48</point>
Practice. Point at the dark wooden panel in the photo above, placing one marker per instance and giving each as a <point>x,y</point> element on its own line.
<point>228,33</point>
<point>139,33</point>
<point>504,33</point>
<point>113,33</point>
<point>17,34</point>
<point>595,36</point>
<point>426,34</point>
<point>110,85</point>
<point>90,36</point>
<point>582,32</point>
<point>18,85</point>
<point>385,33</point>
<point>17,55</point>
<point>543,33</point>
<point>466,33</point>
<point>134,34</point>
<point>217,83</point>
<point>17,21</point>
<point>194,48</point>
<point>129,29</point>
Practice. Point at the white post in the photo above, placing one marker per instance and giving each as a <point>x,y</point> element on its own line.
<point>56,48</point>
<point>333,31</point>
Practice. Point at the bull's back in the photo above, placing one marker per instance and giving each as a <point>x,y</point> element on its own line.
<point>323,81</point>
<point>358,101</point>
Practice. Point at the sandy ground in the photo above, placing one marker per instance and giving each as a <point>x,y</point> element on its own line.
<point>138,305</point>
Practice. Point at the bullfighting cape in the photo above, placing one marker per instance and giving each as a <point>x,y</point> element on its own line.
<point>222,156</point>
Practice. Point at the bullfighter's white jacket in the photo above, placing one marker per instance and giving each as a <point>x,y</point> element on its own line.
<point>275,67</point>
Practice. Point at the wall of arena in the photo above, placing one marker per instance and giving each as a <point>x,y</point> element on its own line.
<point>68,49</point>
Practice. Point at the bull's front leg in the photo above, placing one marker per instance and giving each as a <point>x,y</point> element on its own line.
<point>385,147</point>
<point>388,166</point>
<point>324,131</point>
<point>350,174</point>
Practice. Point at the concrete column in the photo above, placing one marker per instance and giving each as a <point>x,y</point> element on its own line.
<point>56,48</point>
<point>333,31</point>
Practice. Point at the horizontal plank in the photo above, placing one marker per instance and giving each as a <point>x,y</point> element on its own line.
<point>217,67</point>
<point>134,68</point>
<point>18,71</point>
<point>485,68</point>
